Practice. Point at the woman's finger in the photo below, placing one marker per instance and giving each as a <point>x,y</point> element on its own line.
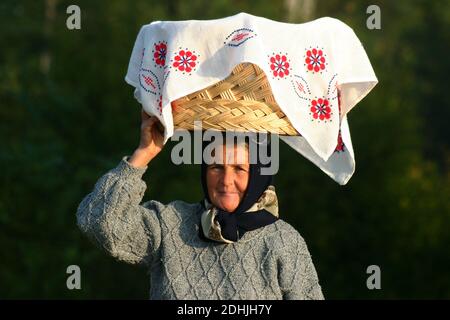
<point>160,127</point>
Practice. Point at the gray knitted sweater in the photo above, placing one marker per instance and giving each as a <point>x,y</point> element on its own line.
<point>272,262</point>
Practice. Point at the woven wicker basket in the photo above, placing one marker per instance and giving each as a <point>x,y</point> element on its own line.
<point>241,102</point>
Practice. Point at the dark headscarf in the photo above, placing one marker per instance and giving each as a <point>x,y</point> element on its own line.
<point>235,224</point>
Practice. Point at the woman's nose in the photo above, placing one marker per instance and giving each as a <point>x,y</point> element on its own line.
<point>228,177</point>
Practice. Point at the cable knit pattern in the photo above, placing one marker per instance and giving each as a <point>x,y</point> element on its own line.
<point>272,262</point>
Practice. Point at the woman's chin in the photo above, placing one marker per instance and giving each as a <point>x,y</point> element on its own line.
<point>229,203</point>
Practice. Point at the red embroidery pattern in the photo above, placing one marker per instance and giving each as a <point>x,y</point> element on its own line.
<point>315,60</point>
<point>301,87</point>
<point>340,144</point>
<point>320,109</point>
<point>149,81</point>
<point>239,36</point>
<point>339,99</point>
<point>159,53</point>
<point>279,64</point>
<point>185,61</point>
<point>160,104</point>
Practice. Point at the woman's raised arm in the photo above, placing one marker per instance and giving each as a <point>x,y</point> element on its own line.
<point>111,215</point>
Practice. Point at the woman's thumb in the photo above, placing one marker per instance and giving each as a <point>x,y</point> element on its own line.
<point>144,115</point>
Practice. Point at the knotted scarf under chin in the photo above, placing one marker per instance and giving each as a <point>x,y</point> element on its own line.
<point>228,227</point>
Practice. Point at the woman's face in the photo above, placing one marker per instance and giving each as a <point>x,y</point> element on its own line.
<point>227,178</point>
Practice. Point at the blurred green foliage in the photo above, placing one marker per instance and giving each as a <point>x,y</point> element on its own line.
<point>67,117</point>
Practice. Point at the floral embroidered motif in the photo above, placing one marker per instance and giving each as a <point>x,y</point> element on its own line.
<point>185,61</point>
<point>315,60</point>
<point>279,65</point>
<point>159,53</point>
<point>320,109</point>
<point>239,36</point>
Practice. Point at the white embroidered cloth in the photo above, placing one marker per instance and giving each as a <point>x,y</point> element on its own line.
<point>318,72</point>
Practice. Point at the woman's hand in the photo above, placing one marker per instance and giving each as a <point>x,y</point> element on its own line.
<point>151,142</point>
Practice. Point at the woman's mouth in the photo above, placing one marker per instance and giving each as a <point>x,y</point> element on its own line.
<point>227,194</point>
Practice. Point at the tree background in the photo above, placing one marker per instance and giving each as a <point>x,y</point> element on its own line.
<point>67,117</point>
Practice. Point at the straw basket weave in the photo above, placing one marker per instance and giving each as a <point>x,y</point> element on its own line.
<point>241,102</point>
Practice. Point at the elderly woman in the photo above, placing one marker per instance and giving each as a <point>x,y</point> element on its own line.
<point>231,245</point>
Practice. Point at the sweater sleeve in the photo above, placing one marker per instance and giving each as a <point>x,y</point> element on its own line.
<point>297,275</point>
<point>112,217</point>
